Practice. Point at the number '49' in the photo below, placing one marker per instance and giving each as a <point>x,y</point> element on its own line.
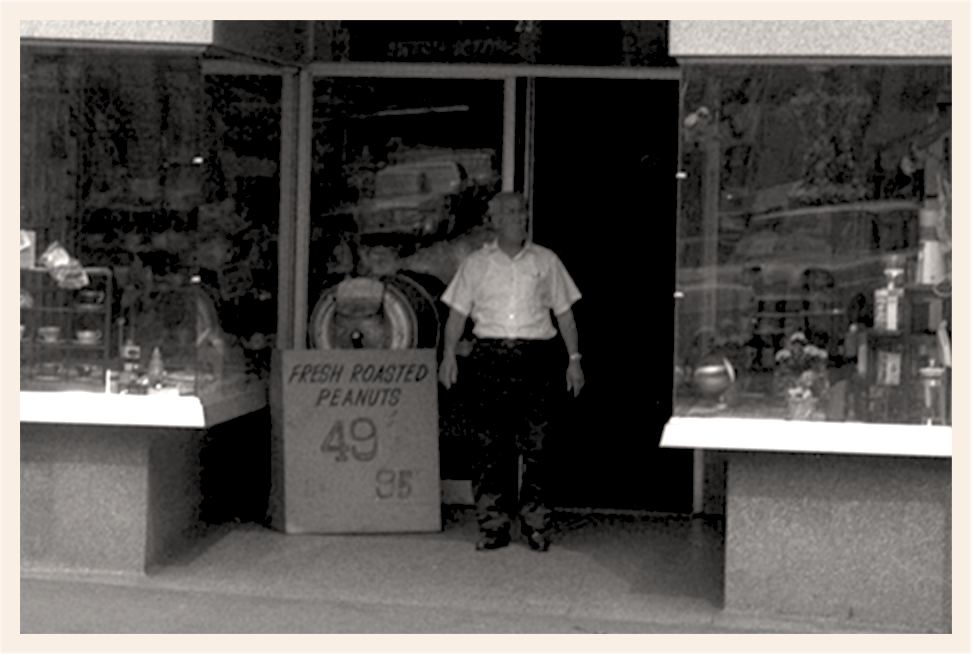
<point>362,431</point>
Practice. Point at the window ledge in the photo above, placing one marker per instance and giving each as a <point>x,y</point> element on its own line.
<point>799,436</point>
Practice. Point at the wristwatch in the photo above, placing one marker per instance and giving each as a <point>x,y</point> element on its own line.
<point>574,357</point>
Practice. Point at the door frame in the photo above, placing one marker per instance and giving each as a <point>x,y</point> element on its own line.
<point>297,103</point>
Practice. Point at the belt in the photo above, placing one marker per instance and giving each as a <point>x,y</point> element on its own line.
<point>513,342</point>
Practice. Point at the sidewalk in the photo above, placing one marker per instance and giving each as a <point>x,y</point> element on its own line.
<point>606,574</point>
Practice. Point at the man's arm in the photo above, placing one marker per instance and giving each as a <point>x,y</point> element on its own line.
<point>568,331</point>
<point>449,370</point>
<point>455,325</point>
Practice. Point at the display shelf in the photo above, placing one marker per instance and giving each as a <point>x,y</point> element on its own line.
<point>72,344</point>
<point>86,408</point>
<point>780,297</point>
<point>59,310</point>
<point>798,314</point>
<point>125,207</point>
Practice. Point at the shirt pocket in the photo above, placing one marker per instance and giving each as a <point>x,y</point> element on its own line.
<point>542,290</point>
<point>528,267</point>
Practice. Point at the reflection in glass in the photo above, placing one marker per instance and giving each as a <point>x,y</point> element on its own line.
<point>401,176</point>
<point>813,245</point>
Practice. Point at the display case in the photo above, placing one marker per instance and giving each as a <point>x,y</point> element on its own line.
<point>79,339</point>
<point>813,243</point>
<point>65,333</point>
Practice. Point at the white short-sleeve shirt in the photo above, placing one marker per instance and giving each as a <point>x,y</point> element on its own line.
<point>512,298</point>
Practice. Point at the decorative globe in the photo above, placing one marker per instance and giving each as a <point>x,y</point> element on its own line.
<point>713,376</point>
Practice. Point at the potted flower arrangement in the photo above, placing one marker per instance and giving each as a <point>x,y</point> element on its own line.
<point>801,377</point>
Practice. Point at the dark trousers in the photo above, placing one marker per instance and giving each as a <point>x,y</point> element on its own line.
<point>516,388</point>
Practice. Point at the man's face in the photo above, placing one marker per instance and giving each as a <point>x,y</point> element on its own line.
<point>509,220</point>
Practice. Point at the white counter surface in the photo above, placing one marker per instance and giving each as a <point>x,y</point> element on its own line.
<point>799,436</point>
<point>141,410</point>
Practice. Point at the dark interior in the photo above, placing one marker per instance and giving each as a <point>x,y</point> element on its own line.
<point>605,159</point>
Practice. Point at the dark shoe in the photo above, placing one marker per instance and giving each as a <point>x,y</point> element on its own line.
<point>537,541</point>
<point>492,543</point>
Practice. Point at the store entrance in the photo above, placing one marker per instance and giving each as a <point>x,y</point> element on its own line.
<point>604,201</point>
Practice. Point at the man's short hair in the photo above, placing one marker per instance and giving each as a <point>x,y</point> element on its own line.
<point>507,200</point>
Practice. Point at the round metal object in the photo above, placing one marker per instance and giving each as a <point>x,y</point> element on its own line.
<point>407,318</point>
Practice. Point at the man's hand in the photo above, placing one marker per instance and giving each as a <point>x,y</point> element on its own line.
<point>575,377</point>
<point>448,370</point>
<point>568,330</point>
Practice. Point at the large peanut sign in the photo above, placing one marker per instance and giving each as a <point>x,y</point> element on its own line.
<point>356,441</point>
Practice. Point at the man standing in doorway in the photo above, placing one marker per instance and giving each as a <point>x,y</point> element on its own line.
<point>515,370</point>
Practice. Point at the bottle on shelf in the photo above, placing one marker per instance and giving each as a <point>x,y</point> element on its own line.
<point>933,407</point>
<point>931,259</point>
<point>131,355</point>
<point>156,368</point>
<point>888,303</point>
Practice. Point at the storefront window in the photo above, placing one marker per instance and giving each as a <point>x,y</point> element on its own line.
<point>814,243</point>
<point>157,272</point>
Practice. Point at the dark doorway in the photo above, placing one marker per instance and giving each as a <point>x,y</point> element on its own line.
<point>604,201</point>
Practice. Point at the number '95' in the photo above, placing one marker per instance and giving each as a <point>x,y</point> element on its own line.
<point>392,484</point>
